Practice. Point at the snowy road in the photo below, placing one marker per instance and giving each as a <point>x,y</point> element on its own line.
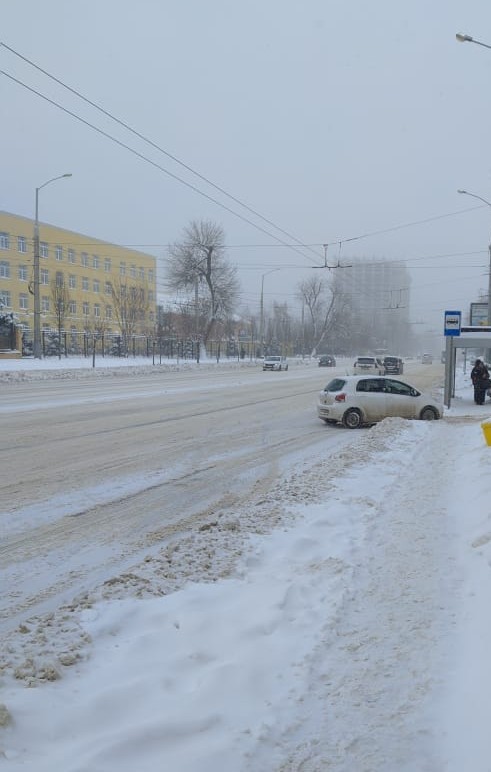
<point>96,471</point>
<point>343,554</point>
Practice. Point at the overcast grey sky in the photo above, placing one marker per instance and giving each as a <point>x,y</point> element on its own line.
<point>331,119</point>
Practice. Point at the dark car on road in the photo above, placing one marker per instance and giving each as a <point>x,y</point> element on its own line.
<point>393,366</point>
<point>327,360</point>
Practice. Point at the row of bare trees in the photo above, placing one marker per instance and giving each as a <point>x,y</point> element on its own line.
<point>129,302</point>
<point>197,266</point>
<point>328,322</point>
<point>199,259</point>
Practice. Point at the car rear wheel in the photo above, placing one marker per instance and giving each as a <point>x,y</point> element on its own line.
<point>352,419</point>
<point>428,414</point>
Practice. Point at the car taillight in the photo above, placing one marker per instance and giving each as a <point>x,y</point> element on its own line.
<point>340,397</point>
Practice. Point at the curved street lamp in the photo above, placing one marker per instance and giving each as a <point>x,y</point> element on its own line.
<point>36,345</point>
<point>468,39</point>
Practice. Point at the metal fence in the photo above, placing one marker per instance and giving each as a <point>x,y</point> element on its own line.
<point>89,344</point>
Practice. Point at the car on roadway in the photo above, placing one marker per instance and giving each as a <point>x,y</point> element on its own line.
<point>427,359</point>
<point>360,400</point>
<point>368,365</point>
<point>327,360</point>
<point>393,365</point>
<point>275,363</point>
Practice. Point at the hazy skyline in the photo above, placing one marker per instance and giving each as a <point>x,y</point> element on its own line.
<point>332,120</point>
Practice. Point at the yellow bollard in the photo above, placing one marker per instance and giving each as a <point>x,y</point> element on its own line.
<point>486,428</point>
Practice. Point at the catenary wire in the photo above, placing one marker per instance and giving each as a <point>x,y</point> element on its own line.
<point>157,147</point>
<point>149,160</point>
<point>207,180</point>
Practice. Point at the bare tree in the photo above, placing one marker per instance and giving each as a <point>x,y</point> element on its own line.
<point>130,302</point>
<point>200,258</point>
<point>61,298</point>
<point>311,295</point>
<point>321,300</point>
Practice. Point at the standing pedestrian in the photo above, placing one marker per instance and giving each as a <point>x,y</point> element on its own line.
<point>480,381</point>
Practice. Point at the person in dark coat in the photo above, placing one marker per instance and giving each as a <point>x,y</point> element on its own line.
<point>480,380</point>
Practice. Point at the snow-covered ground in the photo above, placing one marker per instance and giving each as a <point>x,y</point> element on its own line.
<point>354,636</point>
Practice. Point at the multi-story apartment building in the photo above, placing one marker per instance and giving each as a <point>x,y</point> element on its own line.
<point>94,273</point>
<point>378,295</point>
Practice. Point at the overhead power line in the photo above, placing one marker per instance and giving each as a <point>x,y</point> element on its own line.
<point>159,148</point>
<point>145,158</point>
<point>107,113</point>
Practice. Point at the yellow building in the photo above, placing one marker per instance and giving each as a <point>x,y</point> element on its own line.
<point>94,273</point>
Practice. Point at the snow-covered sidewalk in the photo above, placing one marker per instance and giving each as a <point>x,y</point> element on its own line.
<point>353,637</point>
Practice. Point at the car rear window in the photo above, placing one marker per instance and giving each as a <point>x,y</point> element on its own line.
<point>366,360</point>
<point>337,384</point>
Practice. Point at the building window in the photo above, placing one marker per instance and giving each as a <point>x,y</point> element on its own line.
<point>151,316</point>
<point>59,253</point>
<point>71,256</point>
<point>109,312</point>
<point>85,283</point>
<point>96,285</point>
<point>4,269</point>
<point>22,272</point>
<point>45,304</point>
<point>44,276</point>
<point>60,279</point>
<point>85,308</point>
<point>23,301</point>
<point>108,288</point>
<point>97,309</point>
<point>72,307</point>
<point>96,261</point>
<point>84,259</point>
<point>122,269</point>
<point>150,274</point>
<point>150,295</point>
<point>21,244</point>
<point>5,298</point>
<point>141,274</point>
<point>43,249</point>
<point>107,264</point>
<point>4,240</point>
<point>72,281</point>
<point>133,271</point>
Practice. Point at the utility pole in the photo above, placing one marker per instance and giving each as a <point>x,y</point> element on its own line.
<point>36,344</point>
<point>261,311</point>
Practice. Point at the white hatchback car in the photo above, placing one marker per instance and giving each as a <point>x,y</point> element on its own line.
<point>357,400</point>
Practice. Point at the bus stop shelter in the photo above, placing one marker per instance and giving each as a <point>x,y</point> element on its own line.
<point>469,338</point>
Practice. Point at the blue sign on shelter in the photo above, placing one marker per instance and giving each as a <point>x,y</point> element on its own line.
<point>452,322</point>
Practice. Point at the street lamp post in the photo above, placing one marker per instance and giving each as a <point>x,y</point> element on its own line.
<point>261,317</point>
<point>36,346</point>
<point>468,39</point>
<point>466,193</point>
